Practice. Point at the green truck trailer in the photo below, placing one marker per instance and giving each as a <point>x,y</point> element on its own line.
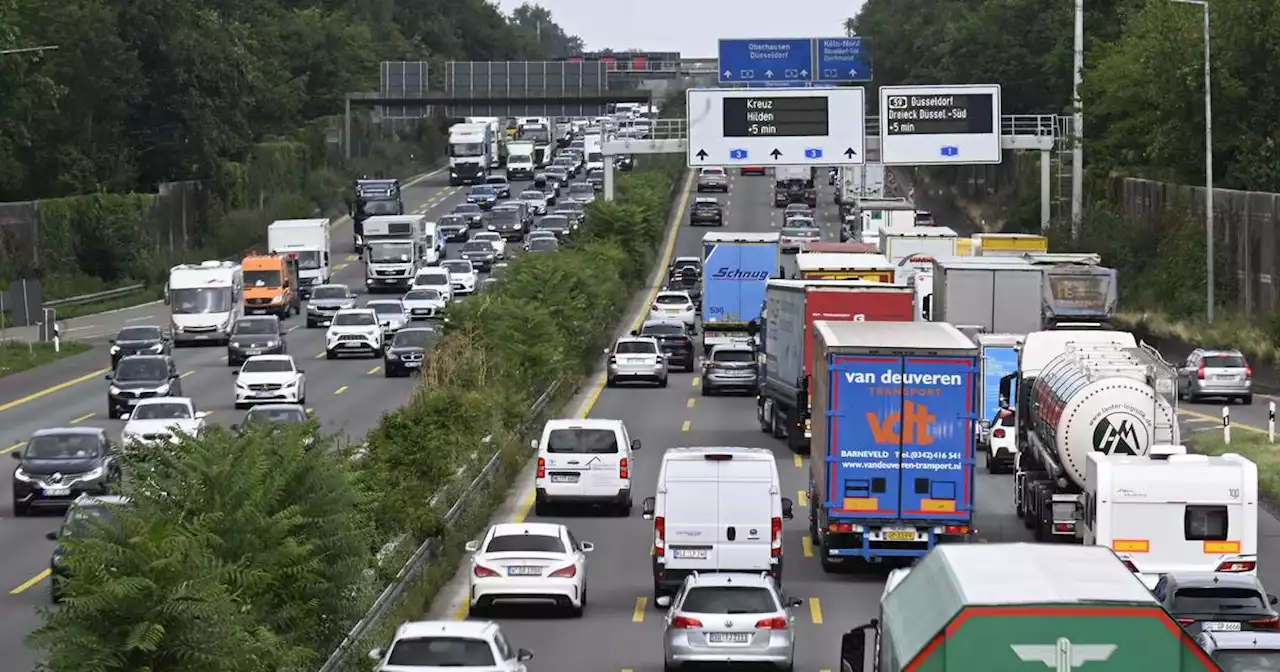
<point>1020,608</point>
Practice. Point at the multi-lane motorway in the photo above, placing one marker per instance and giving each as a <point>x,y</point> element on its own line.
<point>622,630</point>
<point>348,396</point>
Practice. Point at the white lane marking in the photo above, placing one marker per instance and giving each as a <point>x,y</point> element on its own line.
<point>138,319</point>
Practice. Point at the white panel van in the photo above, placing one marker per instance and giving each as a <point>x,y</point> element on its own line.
<point>584,461</point>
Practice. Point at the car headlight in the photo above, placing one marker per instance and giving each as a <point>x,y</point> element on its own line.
<point>22,475</point>
<point>158,347</point>
<point>235,344</point>
<point>93,474</point>
<point>113,390</point>
<point>292,383</point>
<point>163,389</point>
<point>493,228</point>
<point>242,386</point>
<point>272,343</point>
<point>115,349</point>
<point>392,356</point>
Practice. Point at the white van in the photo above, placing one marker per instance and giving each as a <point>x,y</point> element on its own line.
<point>433,244</point>
<point>716,510</point>
<point>434,277</point>
<point>584,461</point>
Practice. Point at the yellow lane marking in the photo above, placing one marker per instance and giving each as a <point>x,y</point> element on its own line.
<point>807,545</point>
<point>685,426</point>
<point>319,355</point>
<point>815,611</point>
<point>696,380</point>
<point>339,267</point>
<point>802,498</point>
<point>22,587</point>
<point>340,390</point>
<point>798,461</point>
<point>186,374</point>
<point>1210,418</point>
<point>352,257</point>
<point>292,328</point>
<point>637,615</point>
<point>690,403</point>
<point>14,447</point>
<point>53,388</point>
<point>82,418</point>
<point>374,370</point>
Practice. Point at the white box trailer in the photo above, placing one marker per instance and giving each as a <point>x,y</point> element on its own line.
<point>927,241</point>
<point>993,295</point>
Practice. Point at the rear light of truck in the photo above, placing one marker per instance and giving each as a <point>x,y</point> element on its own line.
<point>542,467</point>
<point>1237,566</point>
<point>775,536</point>
<point>659,536</point>
<point>1186,621</point>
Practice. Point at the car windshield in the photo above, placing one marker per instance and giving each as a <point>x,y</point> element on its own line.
<point>734,356</point>
<point>581,188</point>
<point>1224,362</point>
<point>387,308</point>
<point>477,246</point>
<point>1247,660</point>
<point>142,368</point>
<point>525,543</point>
<point>432,279</point>
<point>635,348</point>
<point>432,652</point>
<point>266,415</point>
<point>387,252</point>
<point>255,327</point>
<point>423,295</point>
<point>414,338</point>
<point>497,181</point>
<point>729,600</point>
<point>800,232</point>
<point>267,365</point>
<point>483,190</point>
<point>671,299</point>
<point>503,216</point>
<point>466,208</point>
<point>162,411</point>
<point>324,293</point>
<point>451,220</point>
<point>582,440</point>
<point>83,519</point>
<point>457,266</point>
<point>382,207</point>
<point>62,447</point>
<point>554,222</point>
<point>1218,599</point>
<point>533,196</point>
<point>543,244</point>
<point>139,334</point>
<point>354,320</point>
<point>663,330</point>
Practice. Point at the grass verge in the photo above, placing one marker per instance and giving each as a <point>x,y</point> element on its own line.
<point>136,299</point>
<point>1228,330</point>
<point>1253,445</point>
<point>16,356</point>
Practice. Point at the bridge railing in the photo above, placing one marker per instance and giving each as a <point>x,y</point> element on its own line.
<point>1018,125</point>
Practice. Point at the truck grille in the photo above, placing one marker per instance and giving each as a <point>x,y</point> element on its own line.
<point>258,302</point>
<point>389,273</point>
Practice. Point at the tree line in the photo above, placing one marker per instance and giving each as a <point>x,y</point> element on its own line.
<point>140,92</point>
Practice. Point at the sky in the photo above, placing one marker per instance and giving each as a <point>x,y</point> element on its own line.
<point>692,27</point>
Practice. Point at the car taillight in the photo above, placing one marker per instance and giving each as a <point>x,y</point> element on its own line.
<point>1186,621</point>
<point>542,467</point>
<point>1200,372</point>
<point>776,623</point>
<point>1248,372</point>
<point>999,434</point>
<point>1272,623</point>
<point>653,307</point>
<point>1237,566</point>
<point>659,536</point>
<point>566,573</point>
<point>1132,567</point>
<point>624,470</point>
<point>483,572</point>
<point>775,535</point>
<point>684,623</point>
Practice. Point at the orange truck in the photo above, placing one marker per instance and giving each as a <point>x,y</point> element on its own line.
<point>271,285</point>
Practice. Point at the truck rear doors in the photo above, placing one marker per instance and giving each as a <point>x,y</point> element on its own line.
<point>901,437</point>
<point>717,514</point>
<point>735,275</point>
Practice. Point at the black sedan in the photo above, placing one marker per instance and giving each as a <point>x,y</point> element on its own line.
<point>139,340</point>
<point>470,212</point>
<point>141,377</point>
<point>58,465</point>
<point>255,335</point>
<point>407,351</point>
<point>673,337</point>
<point>480,253</point>
<point>453,228</point>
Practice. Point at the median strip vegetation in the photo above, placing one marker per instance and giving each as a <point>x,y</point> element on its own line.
<point>256,554</point>
<point>16,356</point>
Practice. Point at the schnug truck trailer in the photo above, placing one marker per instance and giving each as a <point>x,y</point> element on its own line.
<point>1017,608</point>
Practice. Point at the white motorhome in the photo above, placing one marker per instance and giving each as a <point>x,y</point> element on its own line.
<point>204,301</point>
<point>395,249</point>
<point>308,240</point>
<point>471,153</point>
<point>716,509</point>
<point>1173,512</point>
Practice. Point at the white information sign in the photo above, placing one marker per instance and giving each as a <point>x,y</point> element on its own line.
<point>938,125</point>
<point>776,127</point>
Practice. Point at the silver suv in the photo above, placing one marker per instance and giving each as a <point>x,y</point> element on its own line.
<point>729,618</point>
<point>730,368</point>
<point>1215,373</point>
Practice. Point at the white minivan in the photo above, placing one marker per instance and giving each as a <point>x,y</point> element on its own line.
<point>716,510</point>
<point>585,461</point>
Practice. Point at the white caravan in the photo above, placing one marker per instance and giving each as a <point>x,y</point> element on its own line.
<point>204,301</point>
<point>308,240</point>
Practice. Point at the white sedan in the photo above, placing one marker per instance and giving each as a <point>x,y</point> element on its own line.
<point>529,562</point>
<point>671,305</point>
<point>495,241</point>
<point>536,200</point>
<point>270,379</point>
<point>160,419</point>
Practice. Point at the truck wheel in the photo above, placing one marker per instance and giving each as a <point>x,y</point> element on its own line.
<point>796,443</point>
<point>775,427</point>
<point>829,566</point>
<point>761,409</point>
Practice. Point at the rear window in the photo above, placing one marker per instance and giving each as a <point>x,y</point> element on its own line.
<point>635,348</point>
<point>1205,522</point>
<point>441,652</point>
<point>1247,660</point>
<point>589,441</point>
<point>663,330</point>
<point>739,356</point>
<point>525,543</point>
<point>1218,599</point>
<point>672,299</point>
<point>1224,362</point>
<point>729,600</point>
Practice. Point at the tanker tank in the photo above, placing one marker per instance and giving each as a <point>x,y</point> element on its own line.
<point>1103,397</point>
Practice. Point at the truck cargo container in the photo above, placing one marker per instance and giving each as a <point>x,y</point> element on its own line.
<point>895,408</point>
<point>308,240</point>
<point>826,246</point>
<point>792,306</point>
<point>1008,244</point>
<point>1007,607</point>
<point>996,295</point>
<point>844,266</point>
<point>735,270</point>
<point>926,241</point>
<point>872,215</point>
<point>1077,288</point>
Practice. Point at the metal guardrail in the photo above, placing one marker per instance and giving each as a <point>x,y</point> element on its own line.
<point>96,296</point>
<point>390,596</point>
<point>1011,125</point>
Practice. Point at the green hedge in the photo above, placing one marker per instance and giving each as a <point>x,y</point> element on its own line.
<point>263,562</point>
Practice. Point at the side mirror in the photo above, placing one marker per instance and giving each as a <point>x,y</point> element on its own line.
<point>795,602</point>
<point>1272,599</point>
<point>635,332</point>
<point>375,654</point>
<point>125,416</point>
<point>663,601</point>
<point>523,655</point>
<point>235,427</point>
<point>853,648</point>
<point>605,351</point>
<point>301,371</point>
<point>112,341</point>
<point>635,444</point>
<point>647,508</point>
<point>51,536</point>
<point>235,372</point>
<point>17,455</point>
<point>533,443</point>
<point>201,415</point>
<point>586,546</point>
<point>788,509</point>
<point>107,377</point>
<point>472,546</point>
<point>753,327</point>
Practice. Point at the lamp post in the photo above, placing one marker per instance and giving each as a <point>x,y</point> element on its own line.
<point>1208,162</point>
<point>28,50</point>
<point>1077,151</point>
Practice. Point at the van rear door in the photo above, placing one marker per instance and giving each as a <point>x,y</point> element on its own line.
<point>690,513</point>
<point>745,499</point>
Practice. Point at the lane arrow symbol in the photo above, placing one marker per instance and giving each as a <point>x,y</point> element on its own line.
<point>728,74</point>
<point>775,154</point>
<point>804,73</point>
<point>849,153</point>
<point>702,155</point>
<point>768,73</point>
<point>853,72</point>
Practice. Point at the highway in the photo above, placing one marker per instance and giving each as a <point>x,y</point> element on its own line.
<point>348,396</point>
<point>621,630</point>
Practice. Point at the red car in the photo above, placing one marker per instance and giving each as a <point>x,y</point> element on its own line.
<point>752,170</point>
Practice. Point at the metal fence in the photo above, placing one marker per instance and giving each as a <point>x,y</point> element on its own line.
<point>365,634</point>
<point>1245,228</point>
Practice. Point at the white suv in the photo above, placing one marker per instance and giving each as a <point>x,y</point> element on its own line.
<point>354,331</point>
<point>636,358</point>
<point>270,378</point>
<point>461,646</point>
<point>584,461</point>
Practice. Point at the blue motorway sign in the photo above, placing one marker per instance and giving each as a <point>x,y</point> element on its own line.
<point>790,61</point>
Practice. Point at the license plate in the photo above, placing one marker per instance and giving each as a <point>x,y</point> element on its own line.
<point>564,478</point>
<point>53,491</point>
<point>728,637</point>
<point>1228,377</point>
<point>264,394</point>
<point>1220,626</point>
<point>353,344</point>
<point>899,535</point>
<point>524,571</point>
<point>389,280</point>
<point>691,553</point>
<point>413,365</point>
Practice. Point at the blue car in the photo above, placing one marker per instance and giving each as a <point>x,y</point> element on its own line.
<point>483,195</point>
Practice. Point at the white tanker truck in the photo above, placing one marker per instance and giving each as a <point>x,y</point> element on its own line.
<point>1078,392</point>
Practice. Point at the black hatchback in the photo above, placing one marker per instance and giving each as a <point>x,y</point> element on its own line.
<point>139,340</point>
<point>255,335</point>
<point>1218,601</point>
<point>673,338</point>
<point>141,377</point>
<point>58,465</point>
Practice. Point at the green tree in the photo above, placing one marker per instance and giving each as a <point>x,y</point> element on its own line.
<point>549,37</point>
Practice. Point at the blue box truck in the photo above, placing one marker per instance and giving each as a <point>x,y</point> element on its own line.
<point>736,268</point>
<point>893,425</point>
